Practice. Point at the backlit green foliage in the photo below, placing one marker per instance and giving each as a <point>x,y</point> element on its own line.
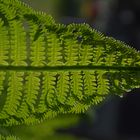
<point>48,130</point>
<point>8,138</point>
<point>48,68</point>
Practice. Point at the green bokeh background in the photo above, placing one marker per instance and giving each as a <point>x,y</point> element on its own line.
<point>47,129</point>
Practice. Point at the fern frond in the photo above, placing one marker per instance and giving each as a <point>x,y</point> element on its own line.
<point>89,83</point>
<point>17,44</point>
<point>76,84</point>
<point>62,87</point>
<point>48,96</point>
<point>53,53</point>
<point>2,78</point>
<point>32,87</point>
<point>4,44</point>
<point>98,56</point>
<point>14,92</point>
<point>37,47</point>
<point>71,52</point>
<point>48,68</point>
<point>86,53</point>
<point>103,83</point>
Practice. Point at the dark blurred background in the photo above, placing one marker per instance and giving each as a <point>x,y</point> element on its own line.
<point>116,118</point>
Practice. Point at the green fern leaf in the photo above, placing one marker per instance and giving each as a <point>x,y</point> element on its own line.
<point>48,68</point>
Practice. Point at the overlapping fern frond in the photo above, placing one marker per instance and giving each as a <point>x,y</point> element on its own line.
<point>48,68</point>
<point>8,138</point>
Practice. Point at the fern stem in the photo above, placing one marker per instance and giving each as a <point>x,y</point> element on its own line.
<point>68,68</point>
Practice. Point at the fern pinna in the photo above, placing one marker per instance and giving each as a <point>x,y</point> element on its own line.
<point>48,68</point>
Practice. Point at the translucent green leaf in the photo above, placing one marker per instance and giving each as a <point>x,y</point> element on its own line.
<point>48,68</point>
